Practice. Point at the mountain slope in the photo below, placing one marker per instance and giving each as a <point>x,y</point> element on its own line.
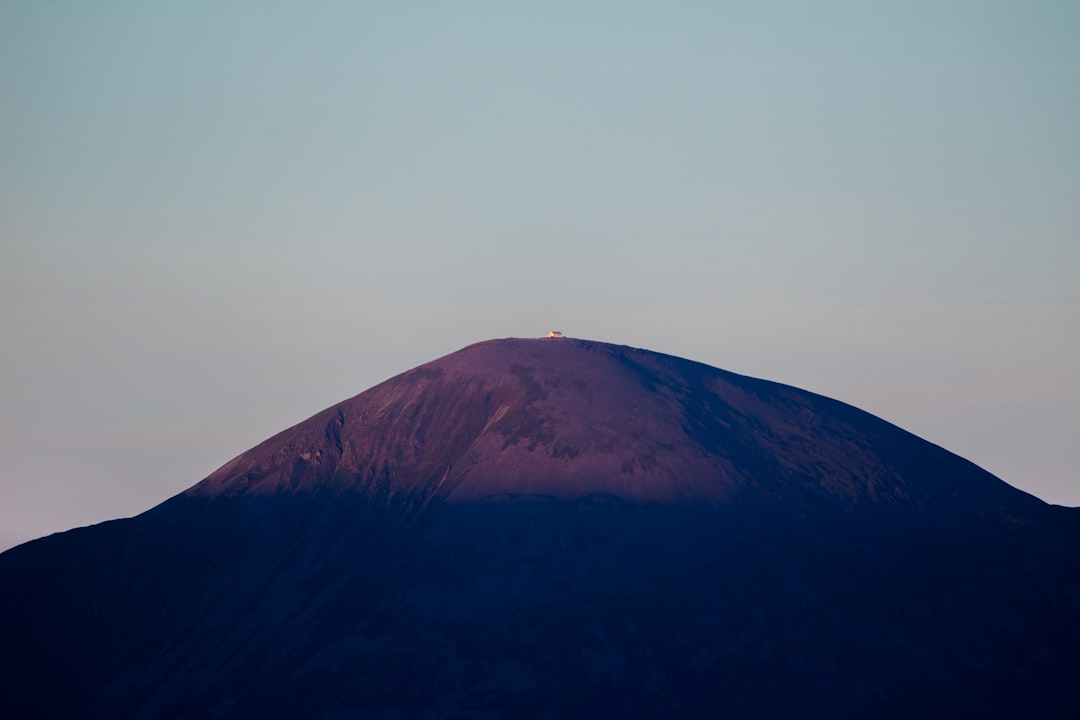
<point>555,528</point>
<point>568,417</point>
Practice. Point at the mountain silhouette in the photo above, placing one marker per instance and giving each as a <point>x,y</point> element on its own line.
<point>560,528</point>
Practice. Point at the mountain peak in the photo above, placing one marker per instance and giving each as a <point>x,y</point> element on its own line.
<point>566,418</point>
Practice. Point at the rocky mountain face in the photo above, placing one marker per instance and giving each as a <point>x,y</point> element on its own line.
<point>560,528</point>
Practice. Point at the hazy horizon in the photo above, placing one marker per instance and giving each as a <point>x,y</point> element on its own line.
<point>217,220</point>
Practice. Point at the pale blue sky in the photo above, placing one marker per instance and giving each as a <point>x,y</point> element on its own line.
<point>218,218</point>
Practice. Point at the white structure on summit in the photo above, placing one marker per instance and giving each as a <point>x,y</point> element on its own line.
<point>555,334</point>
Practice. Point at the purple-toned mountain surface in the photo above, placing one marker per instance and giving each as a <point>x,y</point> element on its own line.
<point>560,528</point>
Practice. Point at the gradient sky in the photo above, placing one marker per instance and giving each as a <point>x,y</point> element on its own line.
<point>217,218</point>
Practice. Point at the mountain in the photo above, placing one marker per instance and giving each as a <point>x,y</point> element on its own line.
<point>560,528</point>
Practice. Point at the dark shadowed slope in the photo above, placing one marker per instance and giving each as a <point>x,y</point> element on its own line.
<point>550,528</point>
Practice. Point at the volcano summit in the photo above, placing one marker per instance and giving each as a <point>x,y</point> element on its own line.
<point>560,528</point>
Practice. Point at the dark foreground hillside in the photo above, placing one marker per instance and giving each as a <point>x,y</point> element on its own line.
<point>553,528</point>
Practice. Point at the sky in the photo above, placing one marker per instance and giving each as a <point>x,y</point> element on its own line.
<point>218,218</point>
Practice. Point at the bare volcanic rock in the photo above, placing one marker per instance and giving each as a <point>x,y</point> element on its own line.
<point>560,528</point>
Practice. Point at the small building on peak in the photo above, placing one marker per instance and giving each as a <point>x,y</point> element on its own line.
<point>555,334</point>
